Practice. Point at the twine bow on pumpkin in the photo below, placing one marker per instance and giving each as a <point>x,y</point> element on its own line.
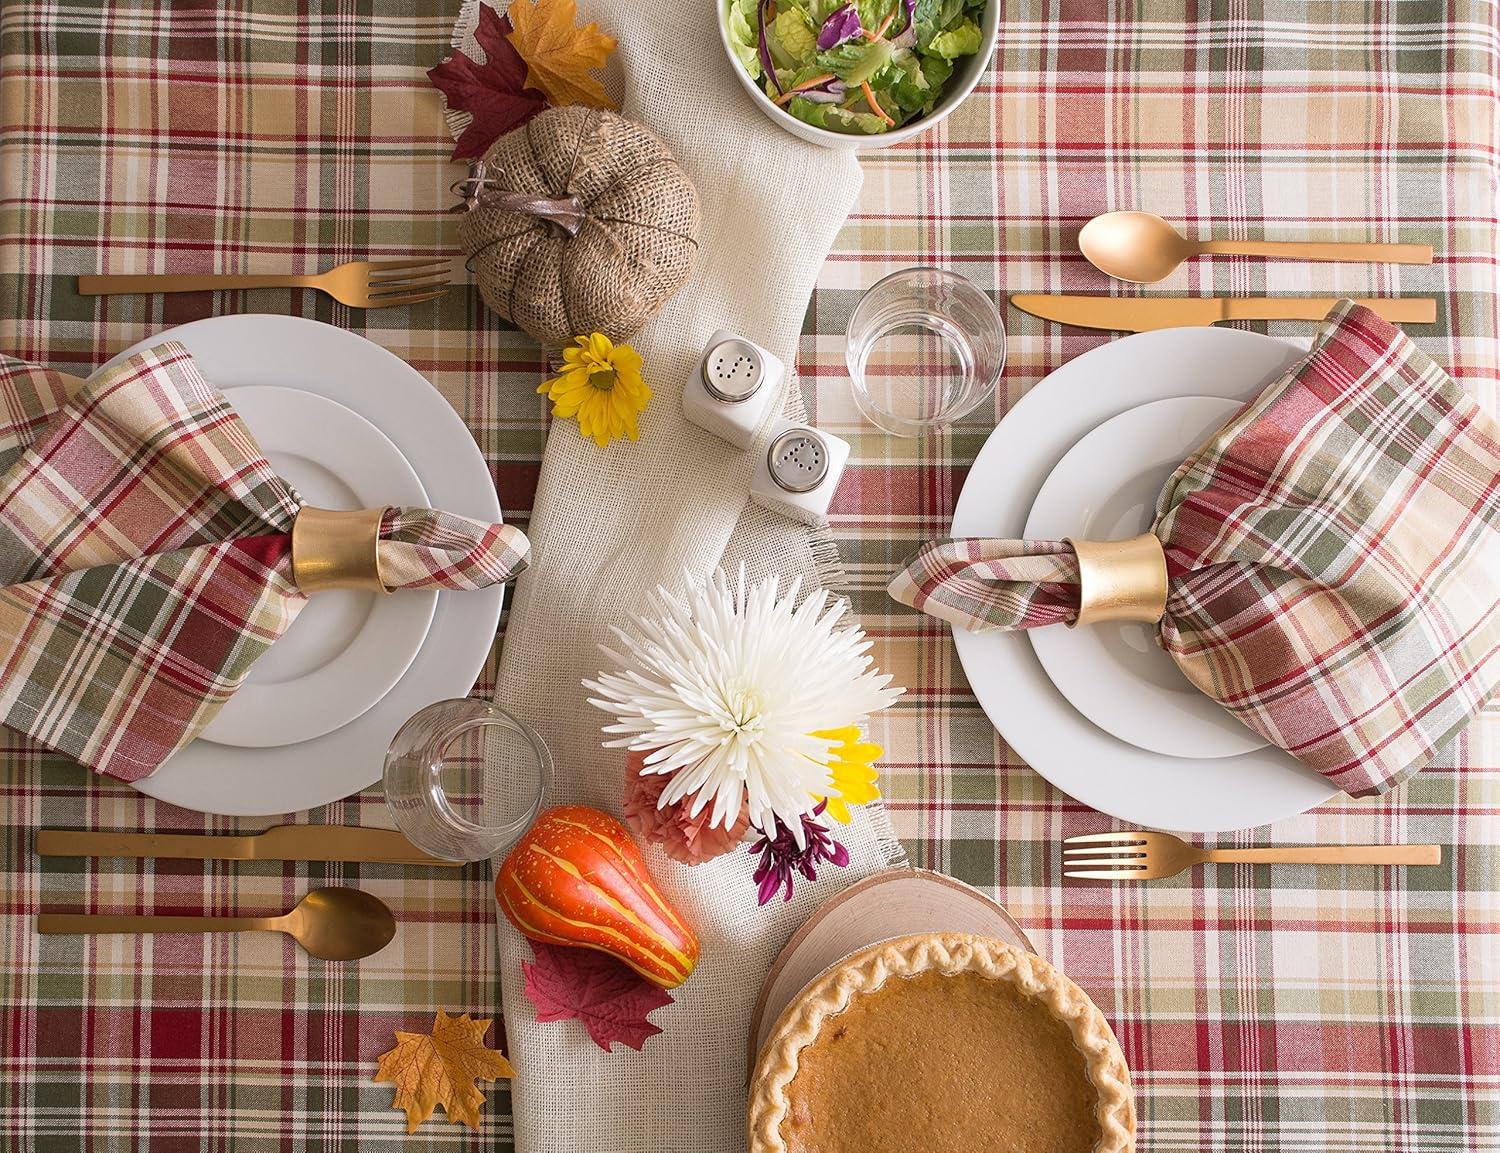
<point>579,221</point>
<point>149,555</point>
<point>1326,566</point>
<point>480,188</point>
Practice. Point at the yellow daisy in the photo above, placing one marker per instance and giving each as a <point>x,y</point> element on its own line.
<point>852,771</point>
<point>601,385</point>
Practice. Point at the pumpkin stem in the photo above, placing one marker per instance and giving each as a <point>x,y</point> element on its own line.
<point>479,190</point>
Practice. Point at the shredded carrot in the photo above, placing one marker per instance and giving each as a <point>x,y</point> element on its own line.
<point>806,84</point>
<point>875,104</point>
<point>886,23</point>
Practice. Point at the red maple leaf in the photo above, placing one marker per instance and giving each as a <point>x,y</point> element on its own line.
<point>494,93</point>
<point>610,998</point>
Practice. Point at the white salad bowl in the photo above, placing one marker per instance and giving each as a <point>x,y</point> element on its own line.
<point>966,74</point>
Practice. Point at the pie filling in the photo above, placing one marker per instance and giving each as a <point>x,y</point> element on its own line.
<point>942,1062</point>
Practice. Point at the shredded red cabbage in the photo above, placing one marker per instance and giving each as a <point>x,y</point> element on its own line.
<point>842,24</point>
<point>830,92</point>
<point>765,48</point>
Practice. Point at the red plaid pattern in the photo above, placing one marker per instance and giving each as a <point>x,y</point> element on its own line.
<point>1333,555</point>
<point>1262,1010</point>
<point>146,558</point>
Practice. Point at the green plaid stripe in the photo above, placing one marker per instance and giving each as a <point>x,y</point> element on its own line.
<point>1297,1010</point>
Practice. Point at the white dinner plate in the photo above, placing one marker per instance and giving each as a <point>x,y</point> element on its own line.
<point>290,352</point>
<point>1115,673</point>
<point>346,649</point>
<point>1189,794</point>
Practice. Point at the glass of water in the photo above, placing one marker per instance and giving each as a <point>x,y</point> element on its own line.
<point>464,779</point>
<point>925,348</point>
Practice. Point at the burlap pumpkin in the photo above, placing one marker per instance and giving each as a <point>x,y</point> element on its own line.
<point>580,221</point>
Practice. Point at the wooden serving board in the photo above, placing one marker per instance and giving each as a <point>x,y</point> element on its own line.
<point>889,904</point>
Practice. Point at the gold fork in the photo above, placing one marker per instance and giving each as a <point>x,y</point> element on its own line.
<point>1143,856</point>
<point>359,284</point>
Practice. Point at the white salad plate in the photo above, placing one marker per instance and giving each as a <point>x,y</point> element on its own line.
<point>1187,794</point>
<point>346,649</point>
<point>1115,673</point>
<point>289,352</point>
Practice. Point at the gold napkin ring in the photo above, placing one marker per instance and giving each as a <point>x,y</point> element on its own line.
<point>1121,580</point>
<point>336,549</point>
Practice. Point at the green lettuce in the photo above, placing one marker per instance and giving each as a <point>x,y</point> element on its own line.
<point>792,36</point>
<point>740,21</point>
<point>962,41</point>
<point>858,60</point>
<point>836,119</point>
<point>872,13</point>
<point>907,87</point>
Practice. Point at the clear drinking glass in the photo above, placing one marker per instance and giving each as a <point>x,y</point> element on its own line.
<point>925,347</point>
<point>464,779</point>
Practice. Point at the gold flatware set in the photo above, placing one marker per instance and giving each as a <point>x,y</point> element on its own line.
<point>347,924</point>
<point>1147,856</point>
<point>336,924</point>
<point>281,843</point>
<point>331,924</point>
<point>1146,313</point>
<point>359,283</point>
<point>1142,248</point>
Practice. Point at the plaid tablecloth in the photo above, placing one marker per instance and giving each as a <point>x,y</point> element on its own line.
<point>1287,1010</point>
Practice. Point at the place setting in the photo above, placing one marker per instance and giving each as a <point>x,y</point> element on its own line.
<point>808,577</point>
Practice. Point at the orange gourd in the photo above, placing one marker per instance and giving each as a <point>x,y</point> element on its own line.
<point>577,878</point>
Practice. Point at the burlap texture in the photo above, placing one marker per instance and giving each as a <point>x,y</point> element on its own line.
<point>634,250</point>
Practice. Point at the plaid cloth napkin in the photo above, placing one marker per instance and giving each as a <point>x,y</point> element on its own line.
<point>146,558</point>
<point>1333,555</point>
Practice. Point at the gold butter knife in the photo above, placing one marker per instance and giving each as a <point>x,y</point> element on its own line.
<point>1146,313</point>
<point>282,843</point>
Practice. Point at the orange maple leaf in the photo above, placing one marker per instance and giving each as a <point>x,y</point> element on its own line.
<point>558,55</point>
<point>439,1068</point>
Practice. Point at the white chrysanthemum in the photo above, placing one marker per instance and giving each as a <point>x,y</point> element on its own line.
<point>724,689</point>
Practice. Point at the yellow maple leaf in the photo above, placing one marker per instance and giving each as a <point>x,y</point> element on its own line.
<point>439,1068</point>
<point>558,55</point>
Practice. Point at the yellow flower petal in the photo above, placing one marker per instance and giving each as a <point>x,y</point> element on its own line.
<point>852,774</point>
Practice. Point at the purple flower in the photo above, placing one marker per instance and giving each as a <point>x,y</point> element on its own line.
<point>781,858</point>
<point>842,24</point>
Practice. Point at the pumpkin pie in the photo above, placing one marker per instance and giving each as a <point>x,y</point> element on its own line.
<point>941,1042</point>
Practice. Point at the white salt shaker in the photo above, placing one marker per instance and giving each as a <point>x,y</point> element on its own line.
<point>733,388</point>
<point>799,472</point>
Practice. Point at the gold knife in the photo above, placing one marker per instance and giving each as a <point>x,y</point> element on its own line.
<point>282,843</point>
<point>1145,313</point>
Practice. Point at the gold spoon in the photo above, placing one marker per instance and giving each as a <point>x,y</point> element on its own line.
<point>1143,248</point>
<point>334,924</point>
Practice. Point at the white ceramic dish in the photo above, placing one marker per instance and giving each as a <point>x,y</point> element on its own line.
<point>291,352</point>
<point>1179,793</point>
<point>965,77</point>
<point>346,649</point>
<point>1116,673</point>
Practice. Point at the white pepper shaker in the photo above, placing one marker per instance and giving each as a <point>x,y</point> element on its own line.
<point>799,472</point>
<point>734,387</point>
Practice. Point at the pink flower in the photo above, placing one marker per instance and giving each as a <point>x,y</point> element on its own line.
<point>683,838</point>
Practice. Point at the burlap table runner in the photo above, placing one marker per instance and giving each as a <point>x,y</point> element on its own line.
<point>611,525</point>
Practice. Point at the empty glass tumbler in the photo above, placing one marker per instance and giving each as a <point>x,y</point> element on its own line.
<point>925,347</point>
<point>464,779</point>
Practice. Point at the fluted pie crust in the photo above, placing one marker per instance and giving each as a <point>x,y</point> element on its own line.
<point>987,1048</point>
